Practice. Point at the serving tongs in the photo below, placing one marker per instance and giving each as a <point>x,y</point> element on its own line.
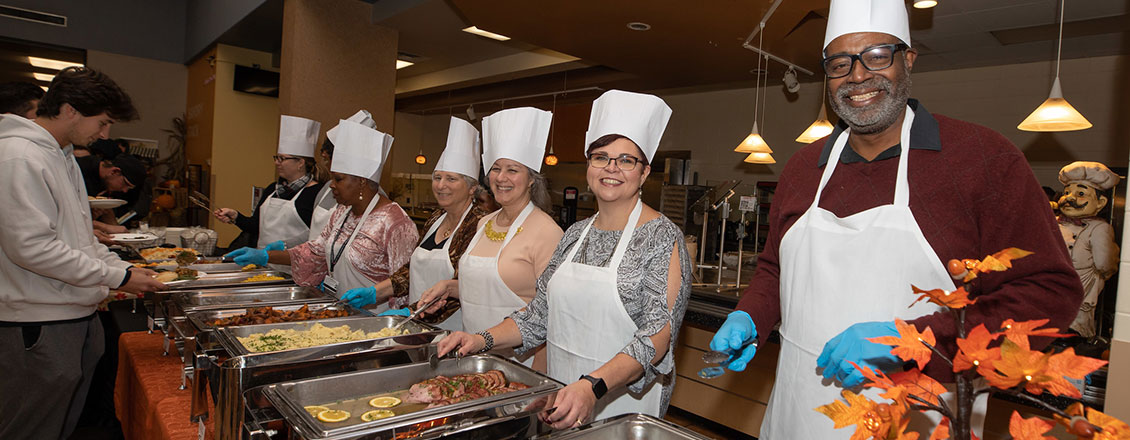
<point>413,315</point>
<point>199,202</point>
<point>721,358</point>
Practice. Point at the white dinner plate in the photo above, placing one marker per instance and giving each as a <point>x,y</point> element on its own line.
<point>130,238</point>
<point>106,203</point>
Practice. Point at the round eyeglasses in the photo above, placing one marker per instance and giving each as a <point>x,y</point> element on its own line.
<point>624,161</point>
<point>874,58</point>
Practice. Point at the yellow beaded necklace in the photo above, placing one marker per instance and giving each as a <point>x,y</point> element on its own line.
<point>494,235</point>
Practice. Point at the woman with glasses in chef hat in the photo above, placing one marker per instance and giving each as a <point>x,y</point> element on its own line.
<point>368,236</point>
<point>611,301</point>
<point>450,229</point>
<point>282,218</point>
<point>498,274</point>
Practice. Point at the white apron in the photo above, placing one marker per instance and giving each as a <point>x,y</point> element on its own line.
<point>430,267</point>
<point>483,296</point>
<point>344,275</point>
<point>279,220</point>
<point>324,205</point>
<point>588,325</point>
<point>836,272</point>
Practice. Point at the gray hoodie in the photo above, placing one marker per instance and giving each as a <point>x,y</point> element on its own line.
<point>51,266</point>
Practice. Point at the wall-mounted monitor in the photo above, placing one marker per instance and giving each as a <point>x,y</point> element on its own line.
<point>256,81</point>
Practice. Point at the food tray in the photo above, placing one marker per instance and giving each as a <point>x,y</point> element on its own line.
<point>246,296</point>
<point>202,319</point>
<point>627,427</point>
<point>230,279</point>
<point>290,397</point>
<point>418,334</point>
<point>223,268</point>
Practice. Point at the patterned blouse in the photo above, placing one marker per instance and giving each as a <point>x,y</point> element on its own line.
<point>383,245</point>
<point>459,241</point>
<point>641,281</point>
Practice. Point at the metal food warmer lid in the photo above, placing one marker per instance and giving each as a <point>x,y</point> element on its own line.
<point>352,392</point>
<point>628,427</point>
<point>249,296</point>
<point>230,279</point>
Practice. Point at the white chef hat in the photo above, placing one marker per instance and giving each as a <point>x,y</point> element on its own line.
<point>359,150</point>
<point>362,117</point>
<point>1092,174</point>
<point>851,16</point>
<point>462,152</point>
<point>518,134</point>
<point>297,136</point>
<point>636,116</point>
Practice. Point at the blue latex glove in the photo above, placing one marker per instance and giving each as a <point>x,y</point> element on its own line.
<point>396,312</point>
<point>361,296</point>
<point>852,345</point>
<point>275,246</point>
<point>247,255</point>
<point>736,332</point>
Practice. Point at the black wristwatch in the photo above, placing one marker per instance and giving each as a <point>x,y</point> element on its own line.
<point>598,386</point>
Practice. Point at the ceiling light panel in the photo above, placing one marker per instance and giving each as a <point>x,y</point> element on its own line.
<point>488,34</point>
<point>48,63</point>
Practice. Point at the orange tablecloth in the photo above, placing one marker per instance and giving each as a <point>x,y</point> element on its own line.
<point>146,397</point>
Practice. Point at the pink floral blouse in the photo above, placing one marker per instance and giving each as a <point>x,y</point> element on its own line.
<point>384,244</point>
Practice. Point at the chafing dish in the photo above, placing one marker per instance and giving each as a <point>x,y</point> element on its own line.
<point>627,427</point>
<point>223,267</point>
<point>230,370</point>
<point>508,415</point>
<point>169,308</point>
<point>192,332</point>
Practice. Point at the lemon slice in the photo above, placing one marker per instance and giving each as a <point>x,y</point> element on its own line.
<point>384,402</point>
<point>314,410</point>
<point>377,414</point>
<point>333,415</point>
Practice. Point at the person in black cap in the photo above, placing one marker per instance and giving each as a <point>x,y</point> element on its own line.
<point>110,178</point>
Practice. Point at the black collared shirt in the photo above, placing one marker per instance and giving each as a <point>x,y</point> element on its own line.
<point>923,136</point>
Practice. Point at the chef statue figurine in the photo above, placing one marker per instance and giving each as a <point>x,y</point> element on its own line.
<point>1089,238</point>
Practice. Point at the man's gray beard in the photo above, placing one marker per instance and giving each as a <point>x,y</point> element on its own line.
<point>875,118</point>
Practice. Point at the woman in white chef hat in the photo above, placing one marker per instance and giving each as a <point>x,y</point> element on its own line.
<point>454,184</point>
<point>368,236</point>
<point>283,216</point>
<point>498,274</point>
<point>612,299</point>
<point>324,202</point>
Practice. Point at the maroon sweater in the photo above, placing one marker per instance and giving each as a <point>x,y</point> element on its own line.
<point>974,197</point>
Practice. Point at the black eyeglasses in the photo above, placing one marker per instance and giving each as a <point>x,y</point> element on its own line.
<point>285,158</point>
<point>624,161</point>
<point>874,58</point>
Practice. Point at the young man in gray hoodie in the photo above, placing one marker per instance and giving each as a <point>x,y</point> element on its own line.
<point>53,273</point>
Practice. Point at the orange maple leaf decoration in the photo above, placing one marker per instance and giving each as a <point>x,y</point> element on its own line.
<point>1067,364</point>
<point>1029,429</point>
<point>997,262</point>
<point>872,420</point>
<point>974,349</point>
<point>1016,365</point>
<point>1112,428</point>
<point>1019,332</point>
<point>908,345</point>
<point>955,300</point>
<point>919,385</point>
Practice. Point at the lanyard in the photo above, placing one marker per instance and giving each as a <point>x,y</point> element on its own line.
<point>334,256</point>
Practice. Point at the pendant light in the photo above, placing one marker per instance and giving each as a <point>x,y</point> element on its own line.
<point>821,127</point>
<point>1055,114</point>
<point>754,143</point>
<point>760,158</point>
<point>551,159</point>
<point>421,159</point>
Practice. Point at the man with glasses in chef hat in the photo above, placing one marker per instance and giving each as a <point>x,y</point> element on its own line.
<point>882,203</point>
